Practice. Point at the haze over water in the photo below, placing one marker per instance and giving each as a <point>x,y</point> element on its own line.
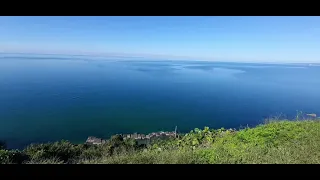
<point>51,98</point>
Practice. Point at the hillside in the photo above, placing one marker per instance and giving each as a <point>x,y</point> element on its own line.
<point>274,142</point>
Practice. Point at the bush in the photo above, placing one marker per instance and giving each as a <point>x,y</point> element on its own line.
<point>94,151</point>
<point>63,150</point>
<point>12,157</point>
<point>45,161</point>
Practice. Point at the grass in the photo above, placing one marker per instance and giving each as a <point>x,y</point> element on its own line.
<point>275,142</point>
<point>278,142</point>
<point>45,161</point>
<point>147,157</point>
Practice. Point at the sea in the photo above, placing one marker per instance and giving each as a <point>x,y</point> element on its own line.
<point>46,98</point>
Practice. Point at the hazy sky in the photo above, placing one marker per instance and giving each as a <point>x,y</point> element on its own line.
<point>287,39</point>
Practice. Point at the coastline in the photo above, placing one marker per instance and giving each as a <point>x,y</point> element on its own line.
<point>266,143</point>
<point>140,138</point>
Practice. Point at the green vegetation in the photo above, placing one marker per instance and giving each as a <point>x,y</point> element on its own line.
<point>273,142</point>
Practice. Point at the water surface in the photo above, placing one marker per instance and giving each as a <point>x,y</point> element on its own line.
<point>51,98</point>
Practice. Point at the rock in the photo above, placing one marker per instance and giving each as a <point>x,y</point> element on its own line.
<point>94,140</point>
<point>312,115</point>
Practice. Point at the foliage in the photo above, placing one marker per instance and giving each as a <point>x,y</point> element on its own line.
<point>62,150</point>
<point>117,145</point>
<point>276,142</point>
<point>199,137</point>
<point>12,156</point>
<point>67,152</point>
<point>45,161</point>
<point>273,142</point>
<point>92,152</point>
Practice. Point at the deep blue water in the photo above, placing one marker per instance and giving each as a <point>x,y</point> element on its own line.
<point>51,98</point>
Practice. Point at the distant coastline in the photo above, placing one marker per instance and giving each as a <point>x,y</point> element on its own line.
<point>148,57</point>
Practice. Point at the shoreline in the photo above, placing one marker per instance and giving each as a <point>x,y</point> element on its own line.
<point>140,138</point>
<point>265,143</point>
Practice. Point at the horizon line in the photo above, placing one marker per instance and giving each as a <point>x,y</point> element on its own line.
<point>157,56</point>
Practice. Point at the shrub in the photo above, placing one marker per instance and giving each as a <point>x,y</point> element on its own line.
<point>93,151</point>
<point>45,161</point>
<point>12,156</point>
<point>63,150</point>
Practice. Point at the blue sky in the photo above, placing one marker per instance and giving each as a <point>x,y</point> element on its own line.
<point>248,38</point>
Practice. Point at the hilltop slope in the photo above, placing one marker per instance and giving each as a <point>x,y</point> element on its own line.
<point>274,142</point>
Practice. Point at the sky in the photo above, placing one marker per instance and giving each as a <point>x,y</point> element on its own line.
<point>216,38</point>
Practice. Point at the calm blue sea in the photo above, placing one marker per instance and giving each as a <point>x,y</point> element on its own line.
<point>48,98</point>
